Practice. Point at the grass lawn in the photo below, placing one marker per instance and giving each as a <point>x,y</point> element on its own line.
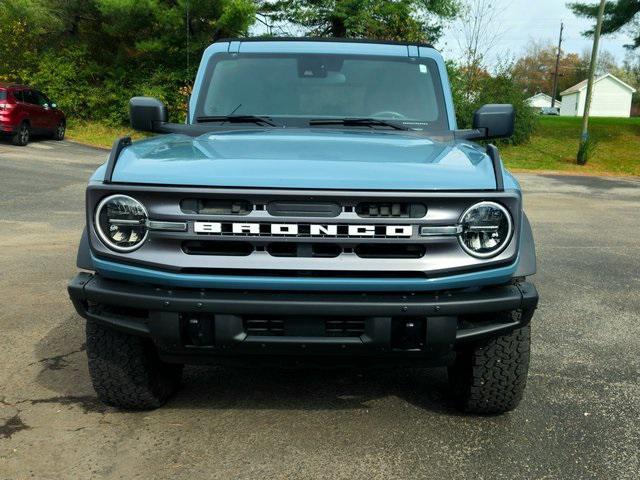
<point>552,148</point>
<point>97,134</point>
<point>555,144</point>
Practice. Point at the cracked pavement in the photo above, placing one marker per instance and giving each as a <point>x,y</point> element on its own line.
<point>579,419</point>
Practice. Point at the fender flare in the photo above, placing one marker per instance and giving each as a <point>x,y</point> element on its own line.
<point>528,263</point>
<point>83,260</point>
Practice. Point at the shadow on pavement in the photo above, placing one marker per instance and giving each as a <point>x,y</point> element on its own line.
<point>63,369</point>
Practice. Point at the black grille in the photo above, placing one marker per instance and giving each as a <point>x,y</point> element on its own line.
<point>289,249</point>
<point>264,326</point>
<point>216,207</point>
<point>391,210</point>
<point>304,326</point>
<point>197,247</point>
<point>381,250</point>
<point>344,327</point>
<point>304,209</point>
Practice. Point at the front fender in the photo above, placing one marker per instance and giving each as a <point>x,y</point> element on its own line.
<point>528,263</point>
<point>83,260</point>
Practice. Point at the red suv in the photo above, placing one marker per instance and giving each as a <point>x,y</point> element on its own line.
<point>25,111</point>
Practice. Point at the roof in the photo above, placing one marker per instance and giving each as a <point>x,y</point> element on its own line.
<point>11,85</point>
<point>323,39</point>
<point>543,95</point>
<point>583,84</point>
<point>540,94</point>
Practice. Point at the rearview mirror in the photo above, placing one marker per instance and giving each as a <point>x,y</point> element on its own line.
<point>496,120</point>
<point>147,114</point>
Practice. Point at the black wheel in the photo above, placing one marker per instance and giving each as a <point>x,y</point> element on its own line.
<point>21,137</point>
<point>126,371</point>
<point>58,133</point>
<point>490,376</point>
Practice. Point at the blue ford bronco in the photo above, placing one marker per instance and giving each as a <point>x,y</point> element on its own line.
<point>319,205</point>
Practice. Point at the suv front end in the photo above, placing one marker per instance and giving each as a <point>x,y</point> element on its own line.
<point>301,244</point>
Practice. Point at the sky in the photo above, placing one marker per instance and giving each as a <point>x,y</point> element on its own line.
<point>527,20</point>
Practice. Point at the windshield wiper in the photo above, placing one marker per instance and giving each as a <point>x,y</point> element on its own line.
<point>237,119</point>
<point>359,122</point>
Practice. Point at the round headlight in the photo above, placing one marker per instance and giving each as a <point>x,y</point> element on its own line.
<point>486,229</point>
<point>121,222</point>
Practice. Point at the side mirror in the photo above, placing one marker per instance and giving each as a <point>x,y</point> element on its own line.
<point>147,113</point>
<point>496,120</point>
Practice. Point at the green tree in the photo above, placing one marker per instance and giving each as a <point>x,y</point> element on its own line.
<point>402,20</point>
<point>22,23</point>
<point>618,14</point>
<point>93,55</point>
<point>500,87</point>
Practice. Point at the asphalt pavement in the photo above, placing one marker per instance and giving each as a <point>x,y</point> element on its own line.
<point>580,417</point>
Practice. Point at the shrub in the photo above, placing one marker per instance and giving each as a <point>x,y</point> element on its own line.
<point>470,92</point>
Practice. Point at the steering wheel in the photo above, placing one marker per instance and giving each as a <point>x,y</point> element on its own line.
<point>389,113</point>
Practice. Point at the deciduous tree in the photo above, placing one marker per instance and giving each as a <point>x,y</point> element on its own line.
<point>535,69</point>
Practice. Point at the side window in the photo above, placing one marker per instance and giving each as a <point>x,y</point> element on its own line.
<point>17,94</point>
<point>41,99</point>
<point>30,97</point>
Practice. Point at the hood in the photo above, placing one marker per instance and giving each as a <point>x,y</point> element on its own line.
<point>308,159</point>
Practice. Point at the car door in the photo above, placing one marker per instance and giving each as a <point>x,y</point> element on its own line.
<point>46,112</point>
<point>34,111</point>
<point>49,117</point>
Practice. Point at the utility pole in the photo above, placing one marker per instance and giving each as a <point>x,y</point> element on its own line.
<point>584,137</point>
<point>556,73</point>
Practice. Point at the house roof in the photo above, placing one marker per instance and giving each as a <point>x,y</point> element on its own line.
<point>583,84</point>
<point>543,95</point>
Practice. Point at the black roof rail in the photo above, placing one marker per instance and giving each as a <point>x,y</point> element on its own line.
<point>119,145</point>
<point>323,39</point>
<point>494,154</point>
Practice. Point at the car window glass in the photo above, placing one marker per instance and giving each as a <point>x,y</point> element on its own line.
<point>18,96</point>
<point>316,86</point>
<point>30,97</point>
<point>41,99</point>
<point>3,94</point>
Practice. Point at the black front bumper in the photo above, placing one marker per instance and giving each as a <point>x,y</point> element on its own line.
<point>422,325</point>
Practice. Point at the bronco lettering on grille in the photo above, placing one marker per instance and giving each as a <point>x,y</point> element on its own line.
<point>302,230</point>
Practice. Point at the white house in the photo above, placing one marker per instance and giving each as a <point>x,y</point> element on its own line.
<point>611,98</point>
<point>542,100</point>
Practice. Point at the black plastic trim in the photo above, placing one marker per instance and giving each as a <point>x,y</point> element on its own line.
<point>119,145</point>
<point>87,287</point>
<point>324,39</point>
<point>528,262</point>
<point>494,154</point>
<point>83,259</point>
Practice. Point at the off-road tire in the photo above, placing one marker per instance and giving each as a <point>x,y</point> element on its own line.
<point>126,371</point>
<point>22,135</point>
<point>489,377</point>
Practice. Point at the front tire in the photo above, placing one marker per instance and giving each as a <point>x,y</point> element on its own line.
<point>490,377</point>
<point>22,136</point>
<point>126,371</point>
<point>59,132</point>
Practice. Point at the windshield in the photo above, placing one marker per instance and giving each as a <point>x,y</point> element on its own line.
<point>308,86</point>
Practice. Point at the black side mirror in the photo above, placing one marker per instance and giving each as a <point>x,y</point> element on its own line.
<point>496,120</point>
<point>147,114</point>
